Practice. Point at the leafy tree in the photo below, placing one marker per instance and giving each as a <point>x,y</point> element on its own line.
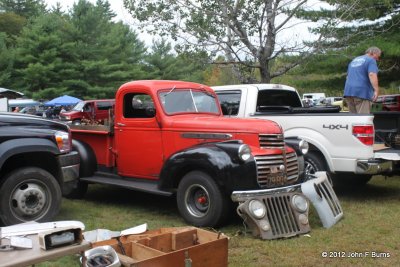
<point>246,32</point>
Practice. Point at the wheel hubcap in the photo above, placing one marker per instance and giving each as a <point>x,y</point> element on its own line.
<point>197,200</point>
<point>28,200</point>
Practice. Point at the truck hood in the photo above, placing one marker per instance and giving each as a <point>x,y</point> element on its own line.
<point>20,125</point>
<point>222,124</point>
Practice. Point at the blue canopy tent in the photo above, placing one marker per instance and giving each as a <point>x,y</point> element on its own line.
<point>64,100</point>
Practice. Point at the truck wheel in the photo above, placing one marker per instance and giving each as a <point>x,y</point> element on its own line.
<point>29,194</point>
<point>200,201</point>
<point>314,162</point>
<point>76,122</point>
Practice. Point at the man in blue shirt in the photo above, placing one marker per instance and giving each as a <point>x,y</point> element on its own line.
<point>361,86</point>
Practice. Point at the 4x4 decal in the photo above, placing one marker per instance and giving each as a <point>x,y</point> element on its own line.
<point>336,126</point>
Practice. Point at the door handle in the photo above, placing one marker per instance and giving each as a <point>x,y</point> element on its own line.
<point>120,124</point>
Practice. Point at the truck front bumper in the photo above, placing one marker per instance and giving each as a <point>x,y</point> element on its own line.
<point>69,164</point>
<point>286,208</point>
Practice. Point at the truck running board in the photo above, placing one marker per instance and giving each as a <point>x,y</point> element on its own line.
<point>129,183</point>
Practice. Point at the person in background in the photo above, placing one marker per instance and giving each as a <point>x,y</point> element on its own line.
<point>16,109</point>
<point>48,113</point>
<point>361,87</point>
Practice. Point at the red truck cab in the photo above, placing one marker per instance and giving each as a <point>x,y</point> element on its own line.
<point>170,138</point>
<point>90,110</point>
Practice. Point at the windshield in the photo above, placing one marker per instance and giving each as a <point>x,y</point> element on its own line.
<point>188,101</point>
<point>79,106</point>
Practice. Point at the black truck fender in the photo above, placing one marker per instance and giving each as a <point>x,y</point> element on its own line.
<point>219,160</point>
<point>88,161</point>
<point>25,145</point>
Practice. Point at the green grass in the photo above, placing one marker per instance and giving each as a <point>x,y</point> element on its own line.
<point>370,224</point>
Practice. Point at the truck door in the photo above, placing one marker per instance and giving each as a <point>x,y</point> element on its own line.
<point>138,137</point>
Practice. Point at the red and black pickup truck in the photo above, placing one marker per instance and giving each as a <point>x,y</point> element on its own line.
<point>170,138</point>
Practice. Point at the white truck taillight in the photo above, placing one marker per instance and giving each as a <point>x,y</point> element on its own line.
<point>364,133</point>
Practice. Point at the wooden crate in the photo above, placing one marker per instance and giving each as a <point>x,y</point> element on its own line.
<point>172,247</point>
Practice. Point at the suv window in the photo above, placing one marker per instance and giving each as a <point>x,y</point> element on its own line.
<point>104,105</point>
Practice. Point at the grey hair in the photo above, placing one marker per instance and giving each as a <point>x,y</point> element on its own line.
<point>373,50</point>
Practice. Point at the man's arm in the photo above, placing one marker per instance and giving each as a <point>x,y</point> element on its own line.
<point>373,78</point>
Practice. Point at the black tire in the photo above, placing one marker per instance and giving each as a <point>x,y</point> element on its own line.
<point>200,201</point>
<point>29,194</point>
<point>314,162</point>
<point>87,168</point>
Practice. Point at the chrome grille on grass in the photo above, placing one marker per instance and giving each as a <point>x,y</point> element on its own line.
<point>326,191</point>
<point>281,216</point>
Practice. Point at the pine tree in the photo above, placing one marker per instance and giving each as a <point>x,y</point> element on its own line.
<point>351,27</point>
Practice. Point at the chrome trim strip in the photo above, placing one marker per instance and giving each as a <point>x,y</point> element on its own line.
<point>219,136</point>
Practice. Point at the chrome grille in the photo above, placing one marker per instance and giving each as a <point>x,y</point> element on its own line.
<point>326,191</point>
<point>270,173</point>
<point>271,140</point>
<point>282,217</point>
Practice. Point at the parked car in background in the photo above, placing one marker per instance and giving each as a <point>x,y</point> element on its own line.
<point>388,102</point>
<point>332,99</point>
<point>92,110</point>
<point>33,110</point>
<point>313,99</point>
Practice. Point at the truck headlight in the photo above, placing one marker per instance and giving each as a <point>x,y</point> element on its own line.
<point>67,117</point>
<point>303,146</point>
<point>244,152</point>
<point>63,141</point>
<point>300,203</point>
<point>257,209</point>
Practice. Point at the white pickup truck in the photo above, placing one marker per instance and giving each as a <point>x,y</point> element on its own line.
<point>340,143</point>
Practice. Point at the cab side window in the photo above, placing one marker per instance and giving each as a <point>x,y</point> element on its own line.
<point>137,105</point>
<point>230,101</point>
